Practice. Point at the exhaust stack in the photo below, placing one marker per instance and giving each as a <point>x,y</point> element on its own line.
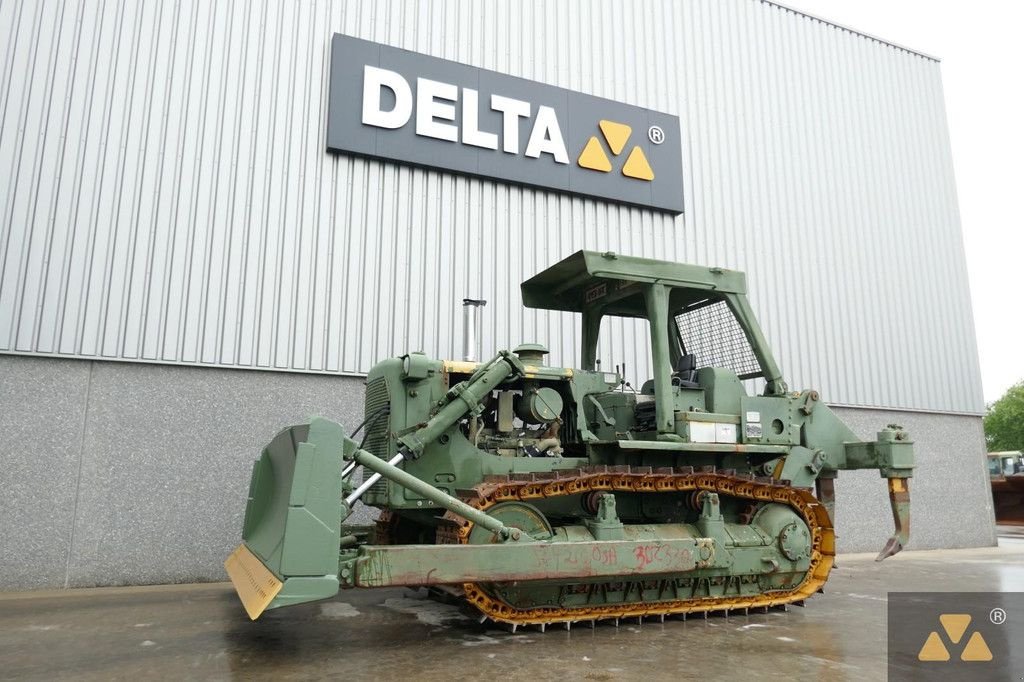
<point>471,328</point>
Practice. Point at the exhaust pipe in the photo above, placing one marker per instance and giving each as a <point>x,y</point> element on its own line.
<point>471,328</point>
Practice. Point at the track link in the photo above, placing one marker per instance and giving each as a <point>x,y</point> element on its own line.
<point>527,487</point>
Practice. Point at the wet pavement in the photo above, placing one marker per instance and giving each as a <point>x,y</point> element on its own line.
<point>1010,531</point>
<point>201,632</point>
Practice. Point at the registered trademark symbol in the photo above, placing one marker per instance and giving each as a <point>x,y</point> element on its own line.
<point>655,134</point>
<point>997,616</point>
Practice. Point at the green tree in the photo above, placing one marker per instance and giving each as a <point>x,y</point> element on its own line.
<point>1004,423</point>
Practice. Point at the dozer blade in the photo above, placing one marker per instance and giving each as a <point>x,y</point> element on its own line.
<point>293,518</point>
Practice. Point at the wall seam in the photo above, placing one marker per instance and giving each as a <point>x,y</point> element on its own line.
<point>78,480</point>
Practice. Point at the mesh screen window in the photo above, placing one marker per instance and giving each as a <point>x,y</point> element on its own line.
<point>710,331</point>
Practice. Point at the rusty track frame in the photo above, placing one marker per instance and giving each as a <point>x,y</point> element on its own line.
<point>524,488</point>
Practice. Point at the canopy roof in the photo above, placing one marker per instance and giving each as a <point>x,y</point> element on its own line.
<point>588,278</point>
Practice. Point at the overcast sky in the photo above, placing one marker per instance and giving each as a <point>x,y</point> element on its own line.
<point>982,53</point>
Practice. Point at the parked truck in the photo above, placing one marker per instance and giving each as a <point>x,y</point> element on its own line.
<point>1006,472</point>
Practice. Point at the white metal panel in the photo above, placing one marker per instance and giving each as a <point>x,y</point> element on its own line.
<point>165,195</point>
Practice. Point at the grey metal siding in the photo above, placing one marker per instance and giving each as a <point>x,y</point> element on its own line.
<point>165,195</point>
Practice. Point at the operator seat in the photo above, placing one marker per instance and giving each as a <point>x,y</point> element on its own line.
<point>684,376</point>
<point>686,372</point>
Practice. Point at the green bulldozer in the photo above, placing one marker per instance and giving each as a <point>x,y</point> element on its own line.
<point>543,495</point>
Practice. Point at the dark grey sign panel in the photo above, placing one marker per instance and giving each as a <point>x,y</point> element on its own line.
<point>408,107</point>
<point>955,635</point>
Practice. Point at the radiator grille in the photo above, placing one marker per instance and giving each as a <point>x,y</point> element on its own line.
<point>377,443</point>
<point>377,433</point>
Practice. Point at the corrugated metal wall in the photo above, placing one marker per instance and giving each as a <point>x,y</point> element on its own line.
<point>165,194</point>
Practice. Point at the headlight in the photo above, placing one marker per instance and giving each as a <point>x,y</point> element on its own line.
<point>415,367</point>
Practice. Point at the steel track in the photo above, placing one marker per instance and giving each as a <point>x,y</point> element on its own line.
<point>531,487</point>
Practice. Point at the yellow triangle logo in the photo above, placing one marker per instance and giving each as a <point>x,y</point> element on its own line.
<point>637,166</point>
<point>933,649</point>
<point>976,649</point>
<point>616,134</point>
<point>955,625</point>
<point>593,157</point>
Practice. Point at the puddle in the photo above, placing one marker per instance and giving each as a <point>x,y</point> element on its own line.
<point>866,596</point>
<point>338,610</point>
<point>479,640</point>
<point>427,611</point>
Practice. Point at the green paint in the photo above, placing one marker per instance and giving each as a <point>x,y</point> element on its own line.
<point>456,424</point>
